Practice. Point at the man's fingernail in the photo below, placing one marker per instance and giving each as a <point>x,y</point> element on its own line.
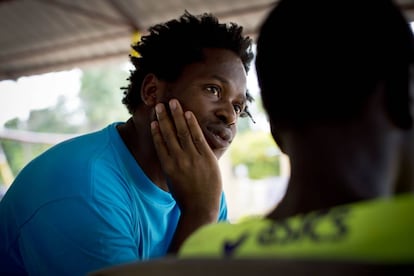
<point>187,115</point>
<point>158,108</point>
<point>173,104</point>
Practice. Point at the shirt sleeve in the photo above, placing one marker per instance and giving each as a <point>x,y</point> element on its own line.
<point>223,216</point>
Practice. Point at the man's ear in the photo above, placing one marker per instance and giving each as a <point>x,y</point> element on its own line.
<point>150,89</point>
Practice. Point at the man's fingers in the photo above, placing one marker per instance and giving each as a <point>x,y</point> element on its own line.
<point>197,136</point>
<point>159,143</point>
<point>167,129</point>
<point>183,132</point>
<point>179,135</point>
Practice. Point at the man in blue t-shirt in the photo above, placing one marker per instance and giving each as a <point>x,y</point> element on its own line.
<point>105,198</point>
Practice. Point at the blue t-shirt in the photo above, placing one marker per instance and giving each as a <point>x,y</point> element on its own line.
<point>82,205</point>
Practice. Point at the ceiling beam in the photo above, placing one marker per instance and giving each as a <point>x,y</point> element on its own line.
<point>89,14</point>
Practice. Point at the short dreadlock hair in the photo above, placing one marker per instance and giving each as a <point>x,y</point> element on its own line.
<point>171,46</point>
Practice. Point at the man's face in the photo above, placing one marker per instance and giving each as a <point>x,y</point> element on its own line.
<point>215,91</point>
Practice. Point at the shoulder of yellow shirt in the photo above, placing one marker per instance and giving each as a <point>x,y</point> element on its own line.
<point>379,230</point>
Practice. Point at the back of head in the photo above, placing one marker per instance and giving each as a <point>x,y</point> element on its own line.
<point>319,60</point>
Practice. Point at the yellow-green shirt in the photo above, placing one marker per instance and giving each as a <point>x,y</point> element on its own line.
<point>380,230</point>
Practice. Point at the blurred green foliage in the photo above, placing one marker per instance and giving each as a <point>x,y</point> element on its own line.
<point>257,151</point>
<point>100,104</point>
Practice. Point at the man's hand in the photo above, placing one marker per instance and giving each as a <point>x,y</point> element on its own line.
<point>191,167</point>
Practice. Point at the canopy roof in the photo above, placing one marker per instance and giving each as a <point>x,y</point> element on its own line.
<point>39,36</point>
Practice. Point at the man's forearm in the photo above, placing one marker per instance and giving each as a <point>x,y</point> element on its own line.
<point>187,225</point>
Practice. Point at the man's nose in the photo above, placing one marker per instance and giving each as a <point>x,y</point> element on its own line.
<point>227,114</point>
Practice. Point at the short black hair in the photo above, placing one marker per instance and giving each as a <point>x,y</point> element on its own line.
<point>320,60</point>
<point>172,45</point>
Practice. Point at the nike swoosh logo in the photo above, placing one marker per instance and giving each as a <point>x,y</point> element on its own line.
<point>231,246</point>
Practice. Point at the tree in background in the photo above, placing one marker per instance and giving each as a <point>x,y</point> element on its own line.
<point>101,97</point>
<point>99,104</point>
<point>257,152</point>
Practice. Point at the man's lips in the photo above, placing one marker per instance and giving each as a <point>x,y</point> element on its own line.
<point>218,137</point>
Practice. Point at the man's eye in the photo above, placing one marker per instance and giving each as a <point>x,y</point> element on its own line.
<point>238,109</point>
<point>214,90</point>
